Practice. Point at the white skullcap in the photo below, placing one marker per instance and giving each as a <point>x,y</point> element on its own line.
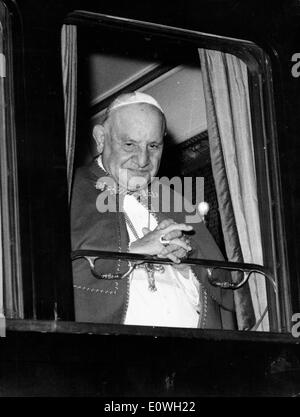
<point>133,98</point>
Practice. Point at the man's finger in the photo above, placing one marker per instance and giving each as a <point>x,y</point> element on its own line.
<point>169,249</point>
<point>173,235</point>
<point>180,253</point>
<point>165,223</point>
<point>174,246</point>
<point>173,258</point>
<point>178,226</point>
<point>179,242</point>
<point>170,256</point>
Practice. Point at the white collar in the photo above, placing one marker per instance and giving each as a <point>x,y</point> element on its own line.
<point>132,193</point>
<point>100,163</point>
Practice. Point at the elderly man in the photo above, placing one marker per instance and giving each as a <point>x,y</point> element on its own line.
<point>130,144</point>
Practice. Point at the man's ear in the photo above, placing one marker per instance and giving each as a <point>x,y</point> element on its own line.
<point>99,136</point>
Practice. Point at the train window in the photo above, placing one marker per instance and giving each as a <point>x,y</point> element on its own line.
<point>219,153</point>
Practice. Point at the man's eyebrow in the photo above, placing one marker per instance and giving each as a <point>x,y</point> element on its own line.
<point>127,138</point>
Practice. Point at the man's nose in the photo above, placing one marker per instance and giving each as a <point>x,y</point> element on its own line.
<point>143,158</point>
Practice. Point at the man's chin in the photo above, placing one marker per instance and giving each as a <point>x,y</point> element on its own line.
<point>138,182</point>
<point>133,186</point>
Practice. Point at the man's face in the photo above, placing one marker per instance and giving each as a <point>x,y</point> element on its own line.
<point>133,145</point>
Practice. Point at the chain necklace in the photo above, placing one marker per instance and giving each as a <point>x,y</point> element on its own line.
<point>150,268</point>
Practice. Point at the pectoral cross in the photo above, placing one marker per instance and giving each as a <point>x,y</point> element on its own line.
<point>151,269</point>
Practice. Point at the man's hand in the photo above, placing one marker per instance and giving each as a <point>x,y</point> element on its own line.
<point>151,244</point>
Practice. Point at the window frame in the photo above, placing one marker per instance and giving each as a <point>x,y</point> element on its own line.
<point>260,76</point>
<point>264,132</point>
<point>13,288</point>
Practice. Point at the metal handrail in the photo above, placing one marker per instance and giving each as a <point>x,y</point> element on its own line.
<point>92,255</point>
<point>137,259</point>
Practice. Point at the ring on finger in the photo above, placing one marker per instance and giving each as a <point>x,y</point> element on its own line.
<point>163,241</point>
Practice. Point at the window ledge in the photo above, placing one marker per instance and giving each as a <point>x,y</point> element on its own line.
<point>67,327</point>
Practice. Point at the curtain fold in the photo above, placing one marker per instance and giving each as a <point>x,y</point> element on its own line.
<point>2,118</point>
<point>231,146</point>
<point>69,73</point>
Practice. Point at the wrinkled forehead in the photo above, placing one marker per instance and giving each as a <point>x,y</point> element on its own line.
<point>137,118</point>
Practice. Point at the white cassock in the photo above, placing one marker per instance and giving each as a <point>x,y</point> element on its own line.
<point>176,301</point>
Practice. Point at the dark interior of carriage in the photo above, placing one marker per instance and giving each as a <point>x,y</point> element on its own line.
<point>169,72</point>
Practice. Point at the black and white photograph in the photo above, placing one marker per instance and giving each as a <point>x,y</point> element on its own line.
<point>149,206</point>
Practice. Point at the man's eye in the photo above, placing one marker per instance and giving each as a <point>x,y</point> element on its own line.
<point>129,145</point>
<point>154,146</point>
